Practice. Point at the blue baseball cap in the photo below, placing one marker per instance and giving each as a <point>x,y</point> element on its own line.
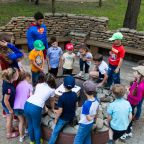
<point>69,82</point>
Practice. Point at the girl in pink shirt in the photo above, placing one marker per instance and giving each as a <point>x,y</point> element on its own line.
<point>23,91</point>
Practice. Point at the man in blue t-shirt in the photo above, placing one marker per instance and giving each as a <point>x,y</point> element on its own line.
<point>66,108</point>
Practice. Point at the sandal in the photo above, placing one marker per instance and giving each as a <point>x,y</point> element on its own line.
<point>12,135</point>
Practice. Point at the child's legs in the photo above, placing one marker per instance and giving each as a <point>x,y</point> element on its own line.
<point>86,67</point>
<point>110,134</point>
<point>54,71</point>
<point>116,77</point>
<point>83,134</point>
<point>9,118</point>
<point>60,124</point>
<point>110,76</point>
<point>35,76</point>
<point>117,134</point>
<point>139,108</point>
<point>21,125</point>
<point>81,62</point>
<point>36,121</point>
<point>29,120</point>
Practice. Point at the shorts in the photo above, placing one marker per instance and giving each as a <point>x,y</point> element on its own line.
<point>6,110</point>
<point>117,134</point>
<point>18,112</point>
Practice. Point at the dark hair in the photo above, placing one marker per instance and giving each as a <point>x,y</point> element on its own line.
<point>98,57</point>
<point>23,75</point>
<point>118,90</point>
<point>50,80</point>
<point>42,78</point>
<point>83,47</point>
<point>38,16</point>
<point>53,39</point>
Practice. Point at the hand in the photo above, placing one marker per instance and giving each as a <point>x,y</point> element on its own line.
<point>55,121</point>
<point>100,85</point>
<point>3,43</point>
<point>117,70</point>
<point>41,69</point>
<point>49,67</point>
<point>11,111</point>
<point>84,59</point>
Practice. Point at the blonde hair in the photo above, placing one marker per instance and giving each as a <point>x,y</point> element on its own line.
<point>118,90</point>
<point>8,74</point>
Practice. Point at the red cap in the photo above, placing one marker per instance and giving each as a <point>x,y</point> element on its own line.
<point>69,47</point>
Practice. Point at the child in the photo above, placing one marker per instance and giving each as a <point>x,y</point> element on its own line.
<point>66,108</point>
<point>68,59</point>
<point>100,70</point>
<point>23,91</point>
<point>85,60</point>
<point>8,90</point>
<point>44,90</point>
<point>54,57</point>
<point>117,54</point>
<point>36,58</point>
<point>135,97</point>
<point>88,114</point>
<point>10,59</point>
<point>119,114</point>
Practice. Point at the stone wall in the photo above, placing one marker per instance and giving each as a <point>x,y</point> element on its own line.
<point>79,28</point>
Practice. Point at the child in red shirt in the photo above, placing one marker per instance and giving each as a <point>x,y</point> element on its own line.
<point>116,57</point>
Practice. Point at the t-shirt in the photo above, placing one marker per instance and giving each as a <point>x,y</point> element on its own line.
<point>54,54</point>
<point>38,57</point>
<point>116,53</point>
<point>119,110</point>
<point>41,94</point>
<point>23,90</point>
<point>68,60</point>
<point>67,101</point>
<point>88,55</point>
<point>8,89</point>
<point>89,108</point>
<point>103,68</point>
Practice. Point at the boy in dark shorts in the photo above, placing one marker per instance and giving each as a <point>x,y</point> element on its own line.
<point>119,114</point>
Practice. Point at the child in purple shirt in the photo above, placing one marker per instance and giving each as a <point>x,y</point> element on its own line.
<point>23,91</point>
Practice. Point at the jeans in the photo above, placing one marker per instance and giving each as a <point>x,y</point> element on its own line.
<point>67,71</point>
<point>112,76</point>
<point>35,77</point>
<point>60,124</point>
<point>139,108</point>
<point>84,134</point>
<point>82,63</point>
<point>33,116</point>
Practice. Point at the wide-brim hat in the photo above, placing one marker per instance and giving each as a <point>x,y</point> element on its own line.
<point>38,45</point>
<point>140,69</point>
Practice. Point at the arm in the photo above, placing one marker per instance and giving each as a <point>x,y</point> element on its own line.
<point>58,114</point>
<point>6,101</point>
<point>104,80</point>
<point>46,39</point>
<point>52,102</point>
<point>33,62</point>
<point>30,39</point>
<point>130,117</point>
<point>109,119</point>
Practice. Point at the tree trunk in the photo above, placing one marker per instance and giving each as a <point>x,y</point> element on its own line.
<point>36,2</point>
<point>132,13</point>
<point>100,3</point>
<point>53,7</point>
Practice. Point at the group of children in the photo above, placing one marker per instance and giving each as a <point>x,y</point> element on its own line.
<point>26,100</point>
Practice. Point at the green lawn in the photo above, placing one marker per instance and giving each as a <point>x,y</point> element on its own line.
<point>113,9</point>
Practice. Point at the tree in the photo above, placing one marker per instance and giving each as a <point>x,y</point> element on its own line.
<point>53,7</point>
<point>132,12</point>
<point>100,3</point>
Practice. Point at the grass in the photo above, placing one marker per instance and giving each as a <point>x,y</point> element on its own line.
<point>113,9</point>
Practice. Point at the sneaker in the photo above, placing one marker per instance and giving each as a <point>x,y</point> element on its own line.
<point>80,74</point>
<point>26,132</point>
<point>111,142</point>
<point>123,137</point>
<point>130,134</point>
<point>21,139</point>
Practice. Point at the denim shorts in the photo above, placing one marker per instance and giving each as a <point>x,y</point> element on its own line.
<point>18,112</point>
<point>6,110</point>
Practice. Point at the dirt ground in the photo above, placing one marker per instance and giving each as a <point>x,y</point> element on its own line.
<point>126,77</point>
